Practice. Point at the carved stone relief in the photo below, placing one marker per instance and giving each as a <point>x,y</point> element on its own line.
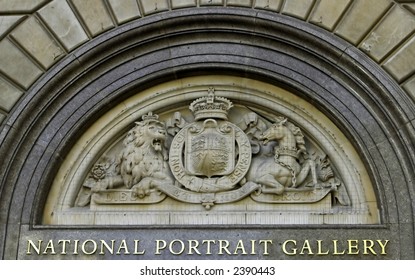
<point>212,150</point>
<point>211,160</point>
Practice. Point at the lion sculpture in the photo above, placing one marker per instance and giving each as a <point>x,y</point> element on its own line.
<point>141,165</point>
<point>143,162</point>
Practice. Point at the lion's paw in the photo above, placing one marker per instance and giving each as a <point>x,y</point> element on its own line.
<point>142,189</point>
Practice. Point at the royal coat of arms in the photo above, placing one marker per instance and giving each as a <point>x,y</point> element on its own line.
<point>211,160</point>
<point>210,154</point>
<point>210,151</point>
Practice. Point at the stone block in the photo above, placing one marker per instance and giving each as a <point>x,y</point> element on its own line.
<point>298,8</point>
<point>16,65</point>
<point>155,6</point>
<point>2,117</point>
<point>358,21</point>
<point>211,2</point>
<point>62,21</point>
<point>391,31</point>
<point>7,23</point>
<point>37,42</point>
<point>21,6</point>
<point>401,64</point>
<point>273,5</point>
<point>410,7</point>
<point>124,10</point>
<point>328,13</point>
<point>242,3</point>
<point>8,95</point>
<point>176,4</point>
<point>95,15</point>
<point>409,86</point>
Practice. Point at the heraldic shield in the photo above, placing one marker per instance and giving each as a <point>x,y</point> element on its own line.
<point>210,149</point>
<point>211,154</point>
<point>210,160</point>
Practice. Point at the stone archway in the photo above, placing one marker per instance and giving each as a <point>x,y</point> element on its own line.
<point>370,109</point>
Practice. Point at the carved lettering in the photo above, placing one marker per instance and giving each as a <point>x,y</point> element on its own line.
<point>289,247</point>
<point>334,247</point>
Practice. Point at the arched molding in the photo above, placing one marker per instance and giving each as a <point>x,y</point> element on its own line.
<point>37,34</point>
<point>365,103</point>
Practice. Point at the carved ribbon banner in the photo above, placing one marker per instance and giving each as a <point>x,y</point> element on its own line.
<point>211,160</point>
<point>293,196</point>
<point>117,196</point>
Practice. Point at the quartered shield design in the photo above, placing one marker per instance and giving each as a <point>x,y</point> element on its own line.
<point>210,151</point>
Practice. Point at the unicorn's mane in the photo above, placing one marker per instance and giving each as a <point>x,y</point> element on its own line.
<point>299,137</point>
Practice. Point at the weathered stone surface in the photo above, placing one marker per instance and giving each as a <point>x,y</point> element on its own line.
<point>327,13</point>
<point>242,3</point>
<point>409,86</point>
<point>7,22</point>
<point>8,95</point>
<point>175,4</point>
<point>95,15</point>
<point>397,228</point>
<point>20,6</point>
<point>211,2</point>
<point>358,21</point>
<point>62,21</point>
<point>124,10</point>
<point>298,8</point>
<point>401,64</point>
<point>273,5</point>
<point>155,6</point>
<point>16,65</point>
<point>410,7</point>
<point>36,41</point>
<point>394,28</point>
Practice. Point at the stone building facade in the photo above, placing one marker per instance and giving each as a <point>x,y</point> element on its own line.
<point>273,129</point>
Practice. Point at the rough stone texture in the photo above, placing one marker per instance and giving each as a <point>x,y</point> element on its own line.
<point>327,13</point>
<point>20,6</point>
<point>16,65</point>
<point>410,7</point>
<point>61,20</point>
<point>273,5</point>
<point>298,8</point>
<point>354,19</point>
<point>358,21</point>
<point>390,32</point>
<point>9,95</point>
<point>211,2</point>
<point>354,25</point>
<point>124,10</point>
<point>34,39</point>
<point>409,86</point>
<point>155,6</point>
<point>401,64</point>
<point>176,4</point>
<point>7,22</point>
<point>242,3</point>
<point>94,14</point>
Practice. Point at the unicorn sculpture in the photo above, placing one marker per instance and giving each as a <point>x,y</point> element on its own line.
<point>285,169</point>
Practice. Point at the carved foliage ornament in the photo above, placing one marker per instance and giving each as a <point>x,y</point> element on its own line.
<point>212,161</point>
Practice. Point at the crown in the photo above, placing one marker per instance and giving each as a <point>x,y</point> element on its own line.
<point>211,106</point>
<point>149,118</point>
